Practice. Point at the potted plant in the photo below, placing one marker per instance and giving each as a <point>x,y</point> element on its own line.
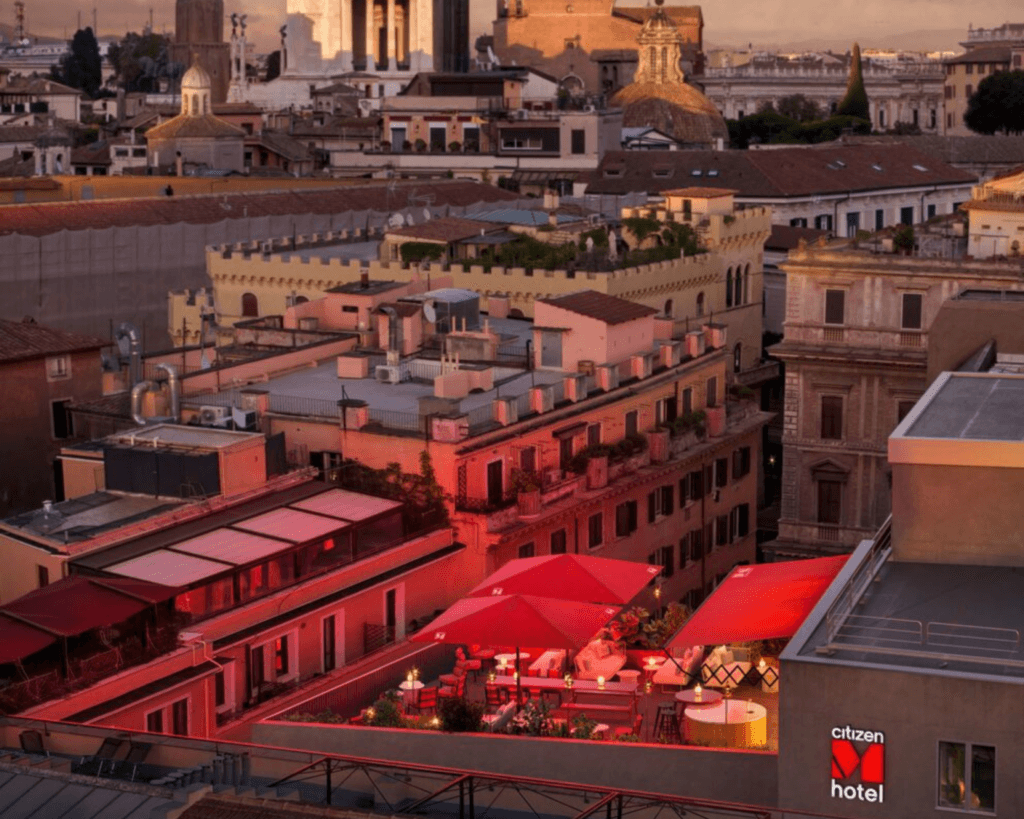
<point>421,146</point>
<point>527,486</point>
<point>455,146</point>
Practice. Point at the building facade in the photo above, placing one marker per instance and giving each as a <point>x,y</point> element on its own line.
<point>906,92</point>
<point>855,348</point>
<point>199,38</point>
<point>986,52</point>
<point>44,372</point>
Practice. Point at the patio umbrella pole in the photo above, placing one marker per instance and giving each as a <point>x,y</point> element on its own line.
<point>519,683</point>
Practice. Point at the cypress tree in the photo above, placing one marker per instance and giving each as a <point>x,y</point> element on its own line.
<point>855,103</point>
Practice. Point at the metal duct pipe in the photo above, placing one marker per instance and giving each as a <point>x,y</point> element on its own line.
<point>137,392</point>
<point>127,330</point>
<point>174,385</point>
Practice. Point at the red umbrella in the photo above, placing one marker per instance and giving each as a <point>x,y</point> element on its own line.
<point>570,577</point>
<point>518,620</point>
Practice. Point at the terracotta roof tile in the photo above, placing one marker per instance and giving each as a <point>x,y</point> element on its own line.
<point>53,217</point>
<point>609,309</point>
<point>449,229</point>
<point>21,340</point>
<point>701,193</point>
<point>778,173</point>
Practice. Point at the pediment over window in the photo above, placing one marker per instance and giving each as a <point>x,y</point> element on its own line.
<point>829,470</point>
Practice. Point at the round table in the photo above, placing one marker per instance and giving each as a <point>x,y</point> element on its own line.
<point>509,660</point>
<point>708,696</point>
<point>409,689</point>
<point>743,725</point>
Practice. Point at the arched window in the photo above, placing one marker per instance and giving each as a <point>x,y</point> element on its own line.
<point>668,308</point>
<point>728,287</point>
<point>737,298</point>
<point>301,299</point>
<point>737,357</point>
<point>206,104</point>
<point>250,305</point>
<point>746,284</point>
<point>195,104</point>
<point>664,64</point>
<point>700,304</point>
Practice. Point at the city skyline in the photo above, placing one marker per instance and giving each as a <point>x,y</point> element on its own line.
<point>914,24</point>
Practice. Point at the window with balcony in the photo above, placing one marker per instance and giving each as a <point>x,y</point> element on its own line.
<point>526,550</point>
<point>179,718</point>
<point>664,557</point>
<point>712,393</point>
<point>832,417</point>
<point>739,522</point>
<point>911,314</point>
<point>558,542</point>
<point>593,434</point>
<point>830,506</point>
<point>632,423</point>
<point>721,472</point>
<point>835,307</point>
<point>740,463</point>
<point>696,545</point>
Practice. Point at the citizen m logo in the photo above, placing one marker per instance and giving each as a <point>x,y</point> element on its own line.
<point>858,765</point>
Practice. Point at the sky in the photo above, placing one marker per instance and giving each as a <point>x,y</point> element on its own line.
<point>878,23</point>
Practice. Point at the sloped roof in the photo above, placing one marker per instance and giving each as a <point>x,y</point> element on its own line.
<point>38,86</point>
<point>204,126</point>
<point>778,173</point>
<point>448,229</point>
<point>98,153</point>
<point>976,148</point>
<point>786,237</point>
<point>675,13</point>
<point>22,340</point>
<point>52,217</point>
<point>609,309</point>
<point>992,54</point>
<point>281,144</point>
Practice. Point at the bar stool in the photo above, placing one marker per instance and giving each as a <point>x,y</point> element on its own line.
<point>666,724</point>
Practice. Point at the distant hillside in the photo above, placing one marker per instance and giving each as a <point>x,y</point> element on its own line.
<point>7,36</point>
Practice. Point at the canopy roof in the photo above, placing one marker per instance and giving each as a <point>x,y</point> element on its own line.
<point>761,602</point>
<point>75,605</point>
<point>19,640</point>
<point>518,620</point>
<point>570,577</point>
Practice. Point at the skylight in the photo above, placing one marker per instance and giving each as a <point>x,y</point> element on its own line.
<point>696,172</point>
<point>921,168</point>
<point>713,172</point>
<point>877,167</point>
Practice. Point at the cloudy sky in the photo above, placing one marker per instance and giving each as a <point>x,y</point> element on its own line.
<point>880,23</point>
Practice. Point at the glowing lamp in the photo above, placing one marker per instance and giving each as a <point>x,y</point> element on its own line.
<point>600,683</point>
<point>408,677</point>
<point>698,692</point>
<point>415,673</point>
<point>568,680</point>
<point>371,712</point>
<point>490,676</point>
<point>651,663</point>
<point>761,666</point>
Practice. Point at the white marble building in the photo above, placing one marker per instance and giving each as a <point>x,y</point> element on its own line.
<point>909,92</point>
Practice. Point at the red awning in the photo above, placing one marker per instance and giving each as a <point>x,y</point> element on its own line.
<point>75,605</point>
<point>18,640</point>
<point>761,602</point>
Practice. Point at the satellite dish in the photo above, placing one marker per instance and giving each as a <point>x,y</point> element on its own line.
<point>429,312</point>
<point>396,220</point>
<point>426,214</point>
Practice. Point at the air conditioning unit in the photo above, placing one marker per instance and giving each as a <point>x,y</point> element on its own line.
<point>214,416</point>
<point>388,375</point>
<point>267,247</point>
<point>244,419</point>
<point>522,113</point>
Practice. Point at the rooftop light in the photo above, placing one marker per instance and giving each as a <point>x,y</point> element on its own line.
<point>696,172</point>
<point>921,168</point>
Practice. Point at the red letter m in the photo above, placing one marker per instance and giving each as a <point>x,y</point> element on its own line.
<point>846,760</point>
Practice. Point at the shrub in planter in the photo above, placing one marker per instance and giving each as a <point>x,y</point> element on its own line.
<point>579,461</point>
<point>454,146</point>
<point>421,146</point>
<point>458,714</point>
<point>387,714</point>
<point>690,422</point>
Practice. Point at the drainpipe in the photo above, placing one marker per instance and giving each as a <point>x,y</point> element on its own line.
<point>174,385</point>
<point>136,404</point>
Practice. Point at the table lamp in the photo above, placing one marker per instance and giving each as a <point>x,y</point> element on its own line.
<point>568,680</point>
<point>698,692</point>
<point>408,677</point>
<point>600,683</point>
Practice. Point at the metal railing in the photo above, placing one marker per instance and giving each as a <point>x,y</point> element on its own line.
<point>523,404</point>
<point>395,420</point>
<point>480,418</point>
<point>858,583</point>
<point>302,405</point>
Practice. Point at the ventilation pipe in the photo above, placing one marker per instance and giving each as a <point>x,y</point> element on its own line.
<point>127,330</point>
<point>174,385</point>
<point>137,392</point>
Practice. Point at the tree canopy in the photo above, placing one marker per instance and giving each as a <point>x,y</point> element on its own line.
<point>769,127</point>
<point>855,103</point>
<point>998,104</point>
<point>81,67</point>
<point>140,61</point>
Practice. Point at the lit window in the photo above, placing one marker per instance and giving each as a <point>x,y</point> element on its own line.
<point>967,777</point>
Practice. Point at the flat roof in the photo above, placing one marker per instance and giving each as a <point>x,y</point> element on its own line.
<point>977,407</point>
<point>950,617</point>
<point>89,515</point>
<point>188,436</point>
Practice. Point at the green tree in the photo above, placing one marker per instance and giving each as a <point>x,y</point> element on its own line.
<point>273,65</point>
<point>799,108</point>
<point>998,104</point>
<point>855,103</point>
<point>81,67</point>
<point>140,61</point>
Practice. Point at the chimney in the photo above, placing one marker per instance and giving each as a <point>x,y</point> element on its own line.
<point>364,280</point>
<point>553,219</point>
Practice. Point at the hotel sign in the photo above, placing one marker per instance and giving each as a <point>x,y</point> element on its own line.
<point>858,765</point>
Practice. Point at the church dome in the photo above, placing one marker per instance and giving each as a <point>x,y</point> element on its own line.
<point>677,109</point>
<point>659,96</point>
<point>196,89</point>
<point>196,79</point>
